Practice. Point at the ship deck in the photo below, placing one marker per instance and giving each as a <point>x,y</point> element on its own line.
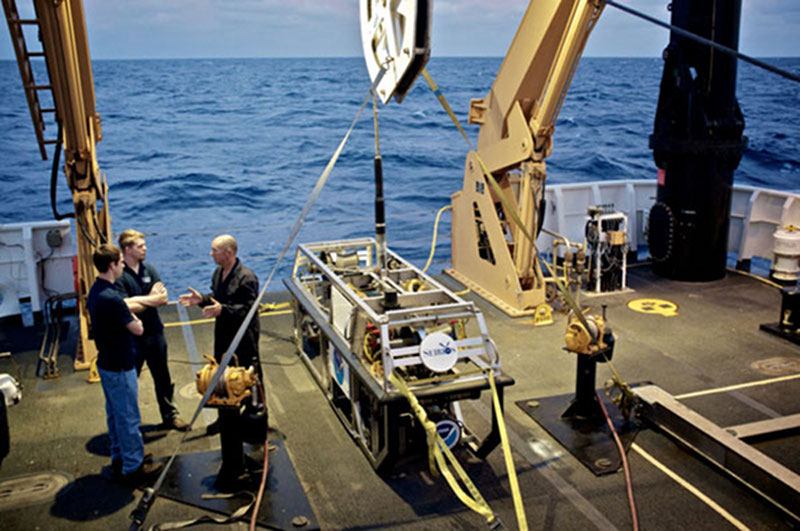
<point>713,345</point>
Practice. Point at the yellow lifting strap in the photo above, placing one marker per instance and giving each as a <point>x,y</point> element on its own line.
<point>438,93</point>
<point>522,523</point>
<point>438,451</point>
<point>436,446</point>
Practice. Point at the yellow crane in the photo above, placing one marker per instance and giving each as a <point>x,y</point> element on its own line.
<point>64,46</point>
<point>490,250</point>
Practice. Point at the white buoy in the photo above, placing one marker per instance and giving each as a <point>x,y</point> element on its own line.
<point>786,248</point>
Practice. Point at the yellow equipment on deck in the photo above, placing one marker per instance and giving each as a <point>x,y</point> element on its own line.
<point>232,388</point>
<point>585,337</point>
<point>65,48</point>
<point>490,251</point>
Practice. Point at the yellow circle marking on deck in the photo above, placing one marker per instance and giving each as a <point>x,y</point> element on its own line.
<point>654,306</point>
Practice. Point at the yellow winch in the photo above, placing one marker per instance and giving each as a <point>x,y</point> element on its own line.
<point>583,340</point>
<point>231,389</point>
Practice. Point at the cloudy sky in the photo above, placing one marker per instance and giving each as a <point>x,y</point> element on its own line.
<point>329,28</point>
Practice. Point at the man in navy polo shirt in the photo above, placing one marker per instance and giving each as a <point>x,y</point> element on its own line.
<point>141,287</point>
<point>113,328</point>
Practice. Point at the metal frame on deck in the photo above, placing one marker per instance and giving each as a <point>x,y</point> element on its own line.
<point>724,447</point>
<point>327,297</point>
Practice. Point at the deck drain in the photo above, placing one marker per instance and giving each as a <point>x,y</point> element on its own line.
<point>31,489</point>
<point>778,366</point>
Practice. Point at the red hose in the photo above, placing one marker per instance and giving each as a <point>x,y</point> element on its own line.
<point>624,458</point>
<point>261,487</point>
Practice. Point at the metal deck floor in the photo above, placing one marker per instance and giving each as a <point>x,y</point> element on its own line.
<point>713,342</point>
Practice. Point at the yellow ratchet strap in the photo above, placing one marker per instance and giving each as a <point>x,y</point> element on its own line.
<point>438,450</point>
<point>438,93</point>
<point>522,523</point>
<point>503,199</point>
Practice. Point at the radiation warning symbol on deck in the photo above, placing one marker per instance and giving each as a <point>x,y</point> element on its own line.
<point>654,306</point>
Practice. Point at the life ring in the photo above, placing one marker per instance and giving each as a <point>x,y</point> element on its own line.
<point>9,302</point>
<point>395,36</point>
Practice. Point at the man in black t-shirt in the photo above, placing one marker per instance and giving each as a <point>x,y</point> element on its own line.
<point>144,292</point>
<point>113,329</point>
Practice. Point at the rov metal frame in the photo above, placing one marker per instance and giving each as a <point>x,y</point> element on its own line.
<point>331,315</point>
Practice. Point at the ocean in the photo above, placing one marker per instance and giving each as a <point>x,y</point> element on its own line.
<point>196,148</point>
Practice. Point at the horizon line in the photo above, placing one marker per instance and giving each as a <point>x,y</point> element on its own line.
<point>361,57</point>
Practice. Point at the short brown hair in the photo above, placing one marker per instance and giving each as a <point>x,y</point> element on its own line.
<point>105,255</point>
<point>127,237</point>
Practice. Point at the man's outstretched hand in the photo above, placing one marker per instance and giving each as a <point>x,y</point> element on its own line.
<point>192,298</point>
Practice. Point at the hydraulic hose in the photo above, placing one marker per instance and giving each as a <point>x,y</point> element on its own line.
<point>262,486</point>
<point>435,231</point>
<point>624,459</point>
<point>54,179</point>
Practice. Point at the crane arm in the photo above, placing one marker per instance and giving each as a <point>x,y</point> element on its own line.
<point>65,47</point>
<point>517,118</point>
<point>526,96</point>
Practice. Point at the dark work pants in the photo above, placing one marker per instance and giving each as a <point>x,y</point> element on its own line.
<point>153,350</point>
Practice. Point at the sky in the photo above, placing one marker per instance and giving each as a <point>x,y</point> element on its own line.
<point>330,28</point>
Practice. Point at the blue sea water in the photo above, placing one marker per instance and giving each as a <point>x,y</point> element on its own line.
<point>195,148</point>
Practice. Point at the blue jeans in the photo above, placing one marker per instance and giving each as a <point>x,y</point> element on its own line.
<point>121,390</point>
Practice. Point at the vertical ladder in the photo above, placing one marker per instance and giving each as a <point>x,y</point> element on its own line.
<point>15,24</point>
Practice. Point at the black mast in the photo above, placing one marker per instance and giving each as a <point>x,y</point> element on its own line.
<point>697,143</point>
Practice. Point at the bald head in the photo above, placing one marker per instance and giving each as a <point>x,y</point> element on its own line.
<point>223,249</point>
<point>226,241</point>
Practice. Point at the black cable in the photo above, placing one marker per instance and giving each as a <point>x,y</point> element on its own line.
<point>46,315</point>
<point>100,233</point>
<point>54,179</point>
<point>703,40</point>
<point>79,222</point>
<point>53,185</point>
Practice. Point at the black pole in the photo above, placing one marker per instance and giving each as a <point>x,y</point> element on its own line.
<point>697,143</point>
<point>380,215</point>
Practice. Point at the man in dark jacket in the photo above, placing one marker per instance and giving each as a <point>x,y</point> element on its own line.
<point>234,289</point>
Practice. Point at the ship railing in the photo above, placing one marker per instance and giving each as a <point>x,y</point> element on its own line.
<point>756,213</point>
